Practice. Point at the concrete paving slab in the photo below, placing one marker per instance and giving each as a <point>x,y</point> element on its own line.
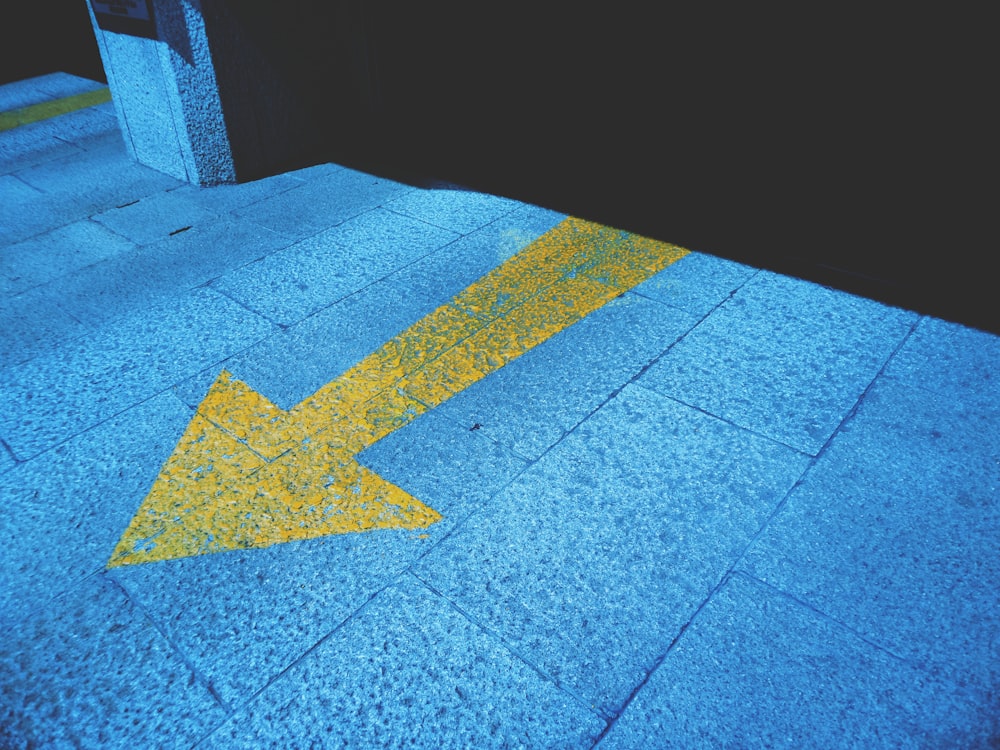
<point>127,283</point>
<point>290,285</point>
<point>697,283</point>
<point>242,618</point>
<point>531,403</point>
<point>450,467</point>
<point>91,671</point>
<point>154,217</point>
<point>96,180</point>
<point>16,194</point>
<point>295,363</point>
<point>757,669</point>
<point>65,510</point>
<point>323,201</point>
<point>30,145</point>
<point>591,562</point>
<point>33,323</point>
<point>79,125</point>
<point>452,208</point>
<point>910,491</point>
<point>945,357</point>
<point>57,395</point>
<point>17,94</point>
<point>446,272</point>
<point>786,358</point>
<point>23,220</point>
<point>6,458</point>
<point>410,671</point>
<point>54,254</point>
<point>325,344</point>
<point>221,199</point>
<point>43,88</point>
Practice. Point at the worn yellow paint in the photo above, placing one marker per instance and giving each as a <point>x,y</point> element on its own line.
<point>44,110</point>
<point>249,474</point>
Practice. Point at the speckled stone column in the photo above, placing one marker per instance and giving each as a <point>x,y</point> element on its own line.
<point>167,97</point>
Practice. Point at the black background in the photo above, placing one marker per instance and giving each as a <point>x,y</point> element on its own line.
<point>846,145</point>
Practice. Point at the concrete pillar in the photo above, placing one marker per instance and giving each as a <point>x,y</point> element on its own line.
<point>165,89</point>
<point>220,91</point>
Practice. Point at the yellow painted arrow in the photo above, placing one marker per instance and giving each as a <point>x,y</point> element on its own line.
<point>249,474</point>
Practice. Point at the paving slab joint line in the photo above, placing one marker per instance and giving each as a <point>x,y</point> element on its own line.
<point>822,615</point>
<point>852,412</point>
<point>223,293</point>
<point>43,603</point>
<point>602,715</point>
<point>297,660</point>
<point>662,657</point>
<point>7,449</point>
<point>199,677</point>
<point>615,393</point>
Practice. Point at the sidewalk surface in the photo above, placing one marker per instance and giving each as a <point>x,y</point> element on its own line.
<point>724,508</point>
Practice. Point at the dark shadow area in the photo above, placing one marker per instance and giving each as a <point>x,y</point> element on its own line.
<point>37,38</point>
<point>851,145</point>
<point>849,149</point>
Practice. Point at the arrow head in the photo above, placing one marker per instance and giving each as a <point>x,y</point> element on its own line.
<point>245,474</point>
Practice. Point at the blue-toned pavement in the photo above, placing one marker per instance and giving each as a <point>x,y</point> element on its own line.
<point>727,509</point>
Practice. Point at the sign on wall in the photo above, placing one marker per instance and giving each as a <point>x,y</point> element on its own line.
<point>134,17</point>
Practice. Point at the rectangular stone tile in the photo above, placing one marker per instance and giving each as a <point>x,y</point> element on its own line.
<point>592,560</point>
<point>697,283</point>
<point>894,531</point>
<point>16,194</point>
<point>771,304</point>
<point>756,669</point>
<point>57,253</point>
<point>242,617</point>
<point>55,396</point>
<point>66,509</point>
<point>61,84</point>
<point>783,357</point>
<point>269,606</point>
<point>30,145</point>
<point>317,272</point>
<point>457,209</point>
<point>78,124</point>
<point>447,466</point>
<point>6,458</point>
<point>96,180</point>
<point>295,363</point>
<point>154,217</point>
<point>22,220</point>
<point>532,402</point>
<point>947,357</point>
<point>91,671</point>
<point>446,272</point>
<point>24,93</point>
<point>129,282</point>
<point>32,324</point>
<point>221,199</point>
<point>409,670</point>
<point>322,202</point>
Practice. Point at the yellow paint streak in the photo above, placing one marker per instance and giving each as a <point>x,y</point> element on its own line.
<point>44,110</point>
<point>249,474</point>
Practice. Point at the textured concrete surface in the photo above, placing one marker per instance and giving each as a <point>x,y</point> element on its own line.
<point>727,508</point>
